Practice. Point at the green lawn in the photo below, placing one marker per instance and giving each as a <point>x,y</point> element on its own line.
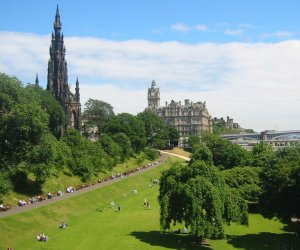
<point>94,225</point>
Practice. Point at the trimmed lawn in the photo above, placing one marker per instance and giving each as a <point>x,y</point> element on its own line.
<point>93,224</point>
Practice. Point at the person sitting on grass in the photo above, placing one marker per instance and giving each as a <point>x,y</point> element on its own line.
<point>42,237</point>
<point>49,195</point>
<point>63,225</point>
<point>60,193</point>
<point>22,203</point>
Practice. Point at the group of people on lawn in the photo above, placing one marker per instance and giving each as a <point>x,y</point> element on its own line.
<point>45,238</point>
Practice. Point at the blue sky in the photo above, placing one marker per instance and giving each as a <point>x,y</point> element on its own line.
<point>241,57</point>
<point>190,21</point>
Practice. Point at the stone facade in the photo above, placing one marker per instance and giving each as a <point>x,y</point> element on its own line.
<point>188,118</point>
<point>228,123</point>
<point>58,78</point>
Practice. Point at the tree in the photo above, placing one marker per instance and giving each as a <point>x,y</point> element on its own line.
<point>158,134</point>
<point>281,185</point>
<point>262,154</point>
<point>245,180</point>
<point>131,126</point>
<point>172,134</point>
<point>196,194</point>
<point>226,155</point>
<point>22,129</point>
<point>151,153</point>
<point>23,121</point>
<point>124,143</point>
<point>87,158</point>
<point>194,140</point>
<point>111,148</point>
<point>10,93</point>
<point>96,114</point>
<point>57,117</point>
<point>43,157</point>
<point>153,126</point>
<point>140,158</point>
<point>202,153</point>
<point>5,185</point>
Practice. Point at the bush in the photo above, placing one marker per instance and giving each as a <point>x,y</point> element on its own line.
<point>151,154</point>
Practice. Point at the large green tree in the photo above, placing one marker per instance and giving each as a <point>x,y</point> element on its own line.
<point>96,114</point>
<point>155,130</point>
<point>131,126</point>
<point>124,143</point>
<point>245,180</point>
<point>262,154</point>
<point>281,185</point>
<point>22,118</point>
<point>226,155</point>
<point>158,134</point>
<point>111,148</point>
<point>57,117</point>
<point>196,194</point>
<point>43,157</point>
<point>87,158</point>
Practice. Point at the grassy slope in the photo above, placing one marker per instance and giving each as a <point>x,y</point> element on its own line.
<point>61,179</point>
<point>132,228</point>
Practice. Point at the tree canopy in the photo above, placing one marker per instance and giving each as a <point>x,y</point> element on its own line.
<point>226,155</point>
<point>196,194</point>
<point>281,185</point>
<point>245,180</point>
<point>96,114</point>
<point>158,134</point>
<point>131,126</point>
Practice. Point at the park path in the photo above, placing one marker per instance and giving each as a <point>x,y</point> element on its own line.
<point>179,156</point>
<point>17,209</point>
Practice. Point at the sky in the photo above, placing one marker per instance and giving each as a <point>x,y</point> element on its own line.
<point>241,57</point>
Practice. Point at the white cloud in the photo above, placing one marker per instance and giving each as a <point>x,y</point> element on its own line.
<point>280,34</point>
<point>248,26</point>
<point>234,32</point>
<point>181,27</point>
<point>256,84</point>
<point>202,27</point>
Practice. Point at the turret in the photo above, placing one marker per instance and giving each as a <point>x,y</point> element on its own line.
<point>77,95</point>
<point>36,80</point>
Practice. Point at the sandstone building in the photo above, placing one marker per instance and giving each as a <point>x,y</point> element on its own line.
<point>57,82</point>
<point>188,118</point>
<point>228,123</point>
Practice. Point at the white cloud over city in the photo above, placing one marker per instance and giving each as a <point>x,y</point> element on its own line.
<point>257,84</point>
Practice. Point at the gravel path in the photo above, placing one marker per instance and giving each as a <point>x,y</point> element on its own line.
<point>18,209</point>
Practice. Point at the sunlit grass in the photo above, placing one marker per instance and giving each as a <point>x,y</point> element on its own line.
<point>93,224</point>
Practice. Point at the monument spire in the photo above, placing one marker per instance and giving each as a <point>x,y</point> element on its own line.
<point>37,80</point>
<point>58,78</point>
<point>57,23</point>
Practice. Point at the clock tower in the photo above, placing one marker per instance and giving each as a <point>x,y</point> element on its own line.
<point>153,96</point>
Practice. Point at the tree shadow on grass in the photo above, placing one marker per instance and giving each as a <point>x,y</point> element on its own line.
<point>293,227</point>
<point>169,240</point>
<point>22,185</point>
<point>265,241</point>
